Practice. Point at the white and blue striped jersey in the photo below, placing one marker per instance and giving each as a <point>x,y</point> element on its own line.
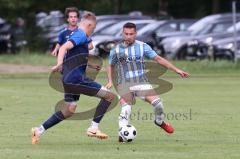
<point>129,61</point>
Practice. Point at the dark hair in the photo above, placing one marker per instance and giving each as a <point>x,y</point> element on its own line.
<point>71,9</point>
<point>130,25</point>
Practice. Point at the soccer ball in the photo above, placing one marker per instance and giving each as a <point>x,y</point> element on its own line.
<point>128,133</point>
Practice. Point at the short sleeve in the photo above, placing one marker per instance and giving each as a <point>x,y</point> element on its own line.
<point>148,51</point>
<point>78,38</point>
<point>112,57</point>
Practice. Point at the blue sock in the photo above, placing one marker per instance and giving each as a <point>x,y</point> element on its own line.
<point>101,110</point>
<point>53,120</point>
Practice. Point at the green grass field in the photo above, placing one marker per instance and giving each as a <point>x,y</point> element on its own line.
<point>206,125</point>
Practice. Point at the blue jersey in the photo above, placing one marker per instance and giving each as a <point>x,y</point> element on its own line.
<point>129,61</point>
<point>75,60</point>
<point>64,35</point>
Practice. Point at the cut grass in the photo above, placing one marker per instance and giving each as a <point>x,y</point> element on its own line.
<point>211,132</point>
<point>204,110</point>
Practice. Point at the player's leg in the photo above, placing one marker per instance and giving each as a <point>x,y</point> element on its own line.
<point>66,112</point>
<point>126,102</point>
<point>158,109</point>
<point>106,99</point>
<point>92,88</point>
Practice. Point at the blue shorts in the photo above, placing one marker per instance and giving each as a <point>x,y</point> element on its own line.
<point>73,89</point>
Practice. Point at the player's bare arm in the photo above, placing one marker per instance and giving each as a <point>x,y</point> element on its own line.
<point>90,46</point>
<point>109,75</point>
<point>62,51</point>
<point>170,66</point>
<point>55,50</point>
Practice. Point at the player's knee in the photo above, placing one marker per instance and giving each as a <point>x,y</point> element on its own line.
<point>109,97</point>
<point>72,108</point>
<point>69,109</point>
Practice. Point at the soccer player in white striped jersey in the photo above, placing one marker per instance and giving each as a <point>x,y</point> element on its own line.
<point>127,59</point>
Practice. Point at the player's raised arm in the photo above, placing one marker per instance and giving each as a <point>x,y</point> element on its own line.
<point>170,66</point>
<point>62,51</point>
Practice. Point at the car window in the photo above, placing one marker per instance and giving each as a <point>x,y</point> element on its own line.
<point>231,28</point>
<point>115,30</point>
<point>100,25</point>
<point>112,30</point>
<point>221,27</point>
<point>213,28</point>
<point>202,23</point>
<point>138,25</point>
<point>149,28</point>
<point>169,27</point>
<point>184,26</point>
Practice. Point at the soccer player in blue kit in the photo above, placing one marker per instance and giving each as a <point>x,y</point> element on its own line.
<point>127,58</point>
<point>72,61</point>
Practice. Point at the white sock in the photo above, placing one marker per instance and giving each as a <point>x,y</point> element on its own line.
<point>94,125</point>
<point>124,115</point>
<point>41,129</point>
<point>158,110</point>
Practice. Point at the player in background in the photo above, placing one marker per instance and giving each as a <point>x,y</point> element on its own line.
<point>127,59</point>
<point>72,61</point>
<point>72,16</point>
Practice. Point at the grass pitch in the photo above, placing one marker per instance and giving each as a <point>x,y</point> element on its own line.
<point>203,109</point>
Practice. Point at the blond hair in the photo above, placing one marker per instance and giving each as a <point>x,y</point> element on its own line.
<point>88,16</point>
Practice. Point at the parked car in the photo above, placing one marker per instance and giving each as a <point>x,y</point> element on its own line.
<point>175,47</point>
<point>147,33</point>
<point>202,45</point>
<point>224,48</point>
<point>109,36</point>
<point>5,36</point>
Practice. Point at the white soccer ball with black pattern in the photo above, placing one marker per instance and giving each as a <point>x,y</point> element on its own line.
<point>128,133</point>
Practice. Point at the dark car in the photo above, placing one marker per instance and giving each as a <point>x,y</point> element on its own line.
<point>147,33</point>
<point>110,35</point>
<point>5,36</point>
<point>201,46</point>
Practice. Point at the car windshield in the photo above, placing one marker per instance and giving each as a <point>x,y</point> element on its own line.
<point>169,27</point>
<point>221,27</point>
<point>199,25</point>
<point>112,30</point>
<point>116,28</point>
<point>231,28</point>
<point>185,25</point>
<point>102,24</point>
<point>149,28</point>
<point>138,26</point>
<point>213,28</point>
